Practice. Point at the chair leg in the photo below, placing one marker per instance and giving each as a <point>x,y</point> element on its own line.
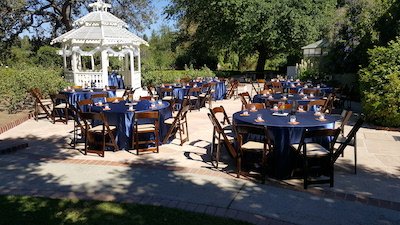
<point>238,167</point>
<point>355,154</point>
<point>305,175</point>
<point>157,141</point>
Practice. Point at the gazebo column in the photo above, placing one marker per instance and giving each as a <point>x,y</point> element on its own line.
<point>104,67</point>
<point>131,68</point>
<point>74,67</point>
<point>64,48</point>
<point>136,80</point>
<point>92,62</point>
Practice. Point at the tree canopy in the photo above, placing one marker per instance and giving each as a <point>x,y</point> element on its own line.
<point>267,27</point>
<point>58,15</point>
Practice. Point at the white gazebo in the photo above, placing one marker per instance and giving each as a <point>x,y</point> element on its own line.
<point>96,37</point>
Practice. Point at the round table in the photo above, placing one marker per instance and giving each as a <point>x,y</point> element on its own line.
<point>75,96</point>
<point>283,134</point>
<point>120,116</point>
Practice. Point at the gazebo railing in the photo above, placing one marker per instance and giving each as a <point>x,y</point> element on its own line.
<point>88,79</point>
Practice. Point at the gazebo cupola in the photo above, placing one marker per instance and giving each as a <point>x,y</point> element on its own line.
<point>98,36</point>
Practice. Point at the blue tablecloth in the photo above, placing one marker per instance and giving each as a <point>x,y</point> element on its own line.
<point>283,134</point>
<point>295,97</point>
<point>116,80</point>
<point>180,92</point>
<point>76,96</point>
<point>124,120</point>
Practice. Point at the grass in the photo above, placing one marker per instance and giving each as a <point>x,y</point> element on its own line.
<point>37,210</point>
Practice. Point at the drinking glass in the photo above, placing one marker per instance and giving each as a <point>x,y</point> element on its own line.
<point>292,119</point>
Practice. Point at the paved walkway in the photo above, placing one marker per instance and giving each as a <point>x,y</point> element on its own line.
<point>182,177</point>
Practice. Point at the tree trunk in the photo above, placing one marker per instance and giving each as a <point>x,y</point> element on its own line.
<point>262,57</point>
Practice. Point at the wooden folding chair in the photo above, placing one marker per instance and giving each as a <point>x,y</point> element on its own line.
<point>42,106</point>
<point>193,98</point>
<point>243,99</point>
<point>85,105</point>
<point>320,103</point>
<point>315,156</point>
<point>222,138</point>
<point>349,140</point>
<point>178,124</point>
<point>146,123</point>
<point>114,99</point>
<point>100,136</point>
<point>224,119</point>
<point>247,147</point>
<point>60,108</point>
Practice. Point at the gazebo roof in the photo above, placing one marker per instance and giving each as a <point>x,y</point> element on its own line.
<point>318,44</point>
<point>100,27</point>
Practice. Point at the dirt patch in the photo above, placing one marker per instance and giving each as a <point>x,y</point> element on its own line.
<point>8,121</point>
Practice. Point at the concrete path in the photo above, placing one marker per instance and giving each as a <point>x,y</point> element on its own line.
<point>182,177</point>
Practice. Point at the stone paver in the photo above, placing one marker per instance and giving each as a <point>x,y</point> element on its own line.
<point>182,177</point>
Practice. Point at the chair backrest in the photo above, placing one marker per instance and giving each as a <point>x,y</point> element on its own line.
<point>311,91</point>
<point>255,105</point>
<point>101,95</point>
<point>265,91</point>
<point>352,134</point>
<point>254,88</point>
<point>319,102</point>
<point>277,90</point>
<point>276,85</point>
<point>327,107</point>
<point>59,98</point>
<point>164,91</point>
<point>218,129</point>
<point>243,99</point>
<point>148,116</point>
<point>114,99</point>
<point>310,134</point>
<point>221,110</point>
<point>244,131</point>
<point>346,114</point>
<point>145,98</point>
<point>84,104</point>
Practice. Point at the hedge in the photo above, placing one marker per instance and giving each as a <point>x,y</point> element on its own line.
<point>158,77</point>
<point>380,85</point>
<point>15,84</point>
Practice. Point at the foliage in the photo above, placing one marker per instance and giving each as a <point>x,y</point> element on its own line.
<point>158,77</point>
<point>47,56</point>
<point>20,15</point>
<point>249,26</point>
<point>35,210</point>
<point>16,82</point>
<point>355,30</point>
<point>309,69</point>
<point>380,85</point>
<point>160,55</point>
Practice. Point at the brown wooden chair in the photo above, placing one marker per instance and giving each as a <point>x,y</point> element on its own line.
<point>152,92</point>
<point>79,129</point>
<point>102,96</point>
<point>178,124</point>
<point>245,98</point>
<point>277,90</point>
<point>221,136</point>
<point>276,84</point>
<point>60,108</point>
<point>148,98</point>
<point>313,91</point>
<point>114,99</point>
<point>222,116</point>
<point>250,149</point>
<point>150,127</point>
<point>100,136</point>
<point>328,106</point>
<point>42,106</point>
<point>315,156</point>
<point>85,105</point>
<point>257,89</point>
<point>206,95</point>
<point>193,98</point>
<point>232,89</point>
<point>320,103</point>
<point>349,140</point>
<point>256,106</point>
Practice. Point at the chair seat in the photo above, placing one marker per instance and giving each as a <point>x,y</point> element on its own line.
<point>99,128</point>
<point>169,121</point>
<point>227,127</point>
<point>166,98</point>
<point>61,106</point>
<point>202,95</point>
<point>253,145</point>
<point>342,139</point>
<point>192,97</point>
<point>46,100</point>
<point>314,149</point>
<point>146,127</point>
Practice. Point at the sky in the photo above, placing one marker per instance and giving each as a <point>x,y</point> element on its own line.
<point>159,7</point>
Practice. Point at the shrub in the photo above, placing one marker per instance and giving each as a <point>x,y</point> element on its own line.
<point>15,84</point>
<point>380,85</point>
<point>158,77</point>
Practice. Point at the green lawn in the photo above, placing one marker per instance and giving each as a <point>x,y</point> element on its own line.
<point>23,210</point>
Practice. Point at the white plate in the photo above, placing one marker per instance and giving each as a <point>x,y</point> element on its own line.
<point>280,114</point>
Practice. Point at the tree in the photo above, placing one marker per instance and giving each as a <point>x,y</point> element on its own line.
<point>19,15</point>
<point>249,26</point>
